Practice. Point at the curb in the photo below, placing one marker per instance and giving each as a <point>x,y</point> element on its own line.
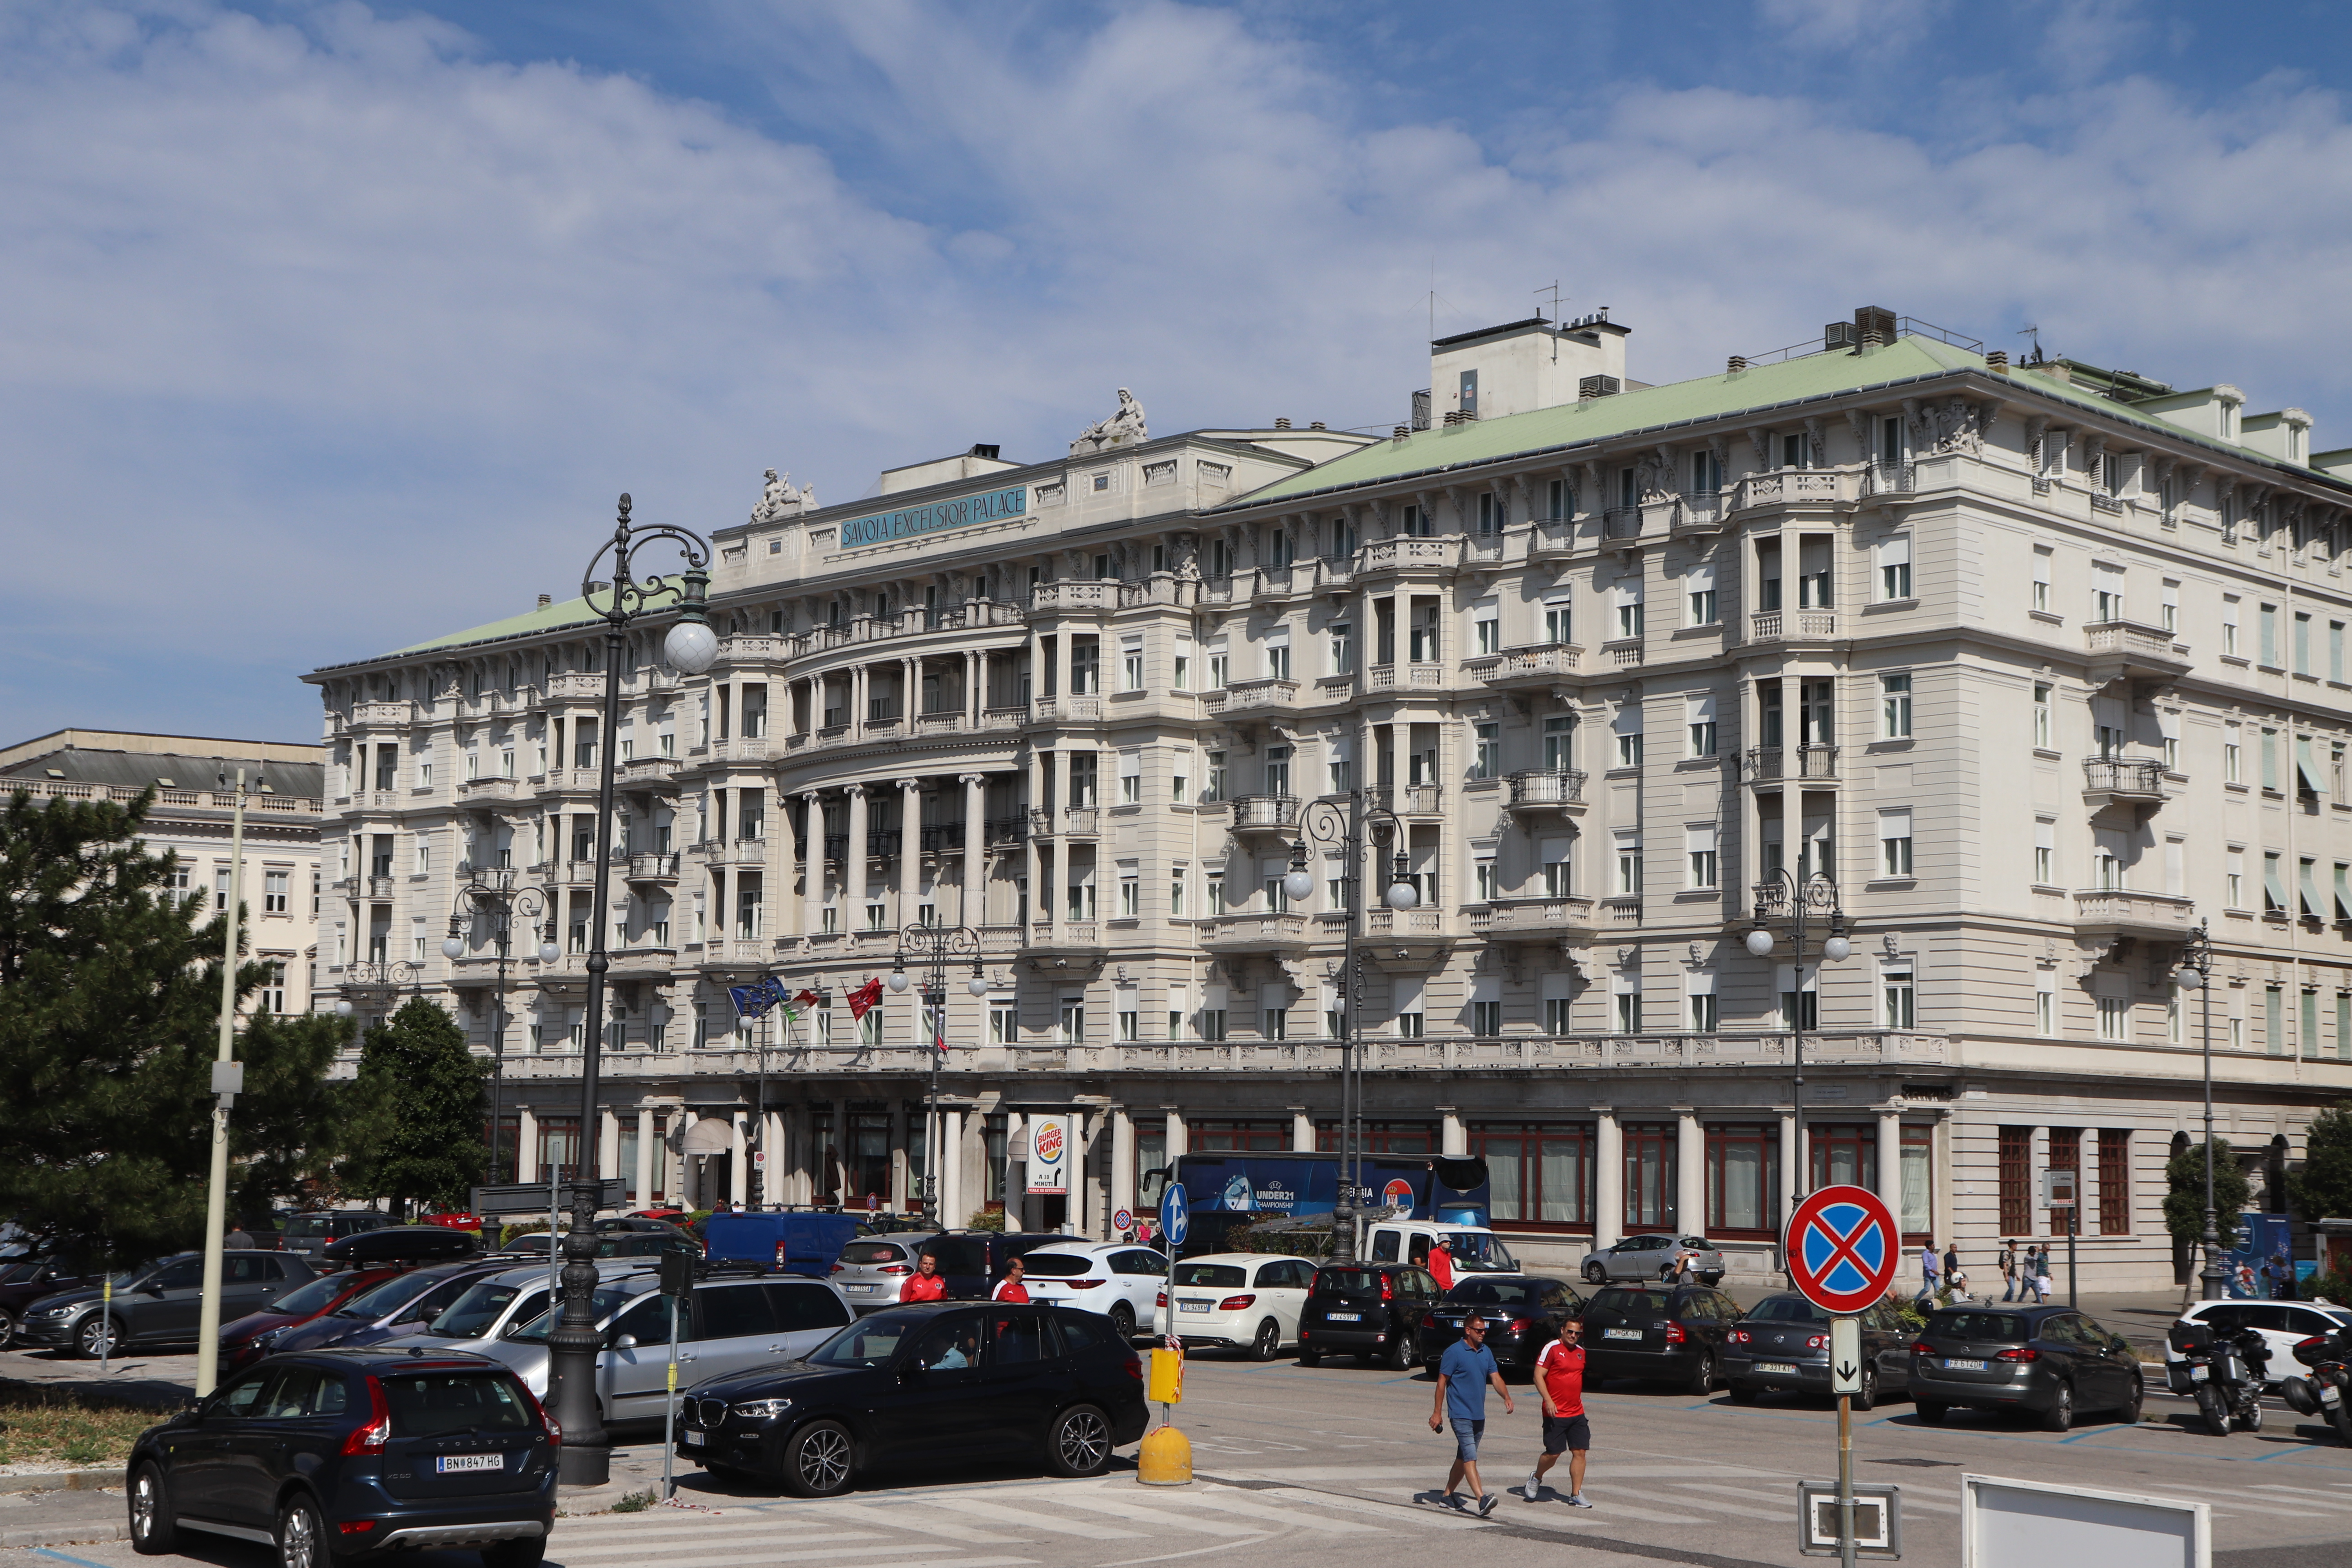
<point>61,1480</point>
<point>65,1536</point>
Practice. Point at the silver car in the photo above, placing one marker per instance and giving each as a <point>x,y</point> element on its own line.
<point>872,1267</point>
<point>737,1326</point>
<point>498,1301</point>
<point>1652,1257</point>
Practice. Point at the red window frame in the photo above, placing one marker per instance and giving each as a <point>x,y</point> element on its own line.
<point>1722,1136</point>
<point>2115,1180</point>
<point>1238,1137</point>
<point>2015,1174</point>
<point>1522,1144</point>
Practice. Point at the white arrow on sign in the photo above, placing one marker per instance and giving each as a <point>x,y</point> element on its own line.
<point>1845,1355</point>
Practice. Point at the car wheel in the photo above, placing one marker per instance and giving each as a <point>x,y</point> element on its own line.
<point>7,1329</point>
<point>1594,1274</point>
<point>154,1531</point>
<point>1741,1394</point>
<point>98,1335</point>
<point>1310,1358</point>
<point>524,1552</point>
<point>1399,1354</point>
<point>2129,1415</point>
<point>1928,1410</point>
<point>1711,1280</point>
<point>1080,1442</point>
<point>302,1538</point>
<point>1867,1396</point>
<point>1122,1318</point>
<point>1268,1343</point>
<point>1702,1379</point>
<point>2060,1414</point>
<point>819,1460</point>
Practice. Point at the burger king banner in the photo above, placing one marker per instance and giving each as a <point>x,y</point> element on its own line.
<point>1049,1154</point>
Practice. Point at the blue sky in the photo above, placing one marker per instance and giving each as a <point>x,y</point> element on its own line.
<point>328,328</point>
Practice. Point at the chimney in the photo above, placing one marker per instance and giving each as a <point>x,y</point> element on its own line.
<point>1282,424</point>
<point>1318,425</point>
<point>1996,362</point>
<point>1736,364</point>
<point>544,600</point>
<point>1401,433</point>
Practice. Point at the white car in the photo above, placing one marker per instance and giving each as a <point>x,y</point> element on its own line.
<point>1117,1278</point>
<point>1243,1300</point>
<point>2282,1324</point>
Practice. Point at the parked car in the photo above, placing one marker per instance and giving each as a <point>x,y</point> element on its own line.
<point>938,1380</point>
<point>609,1244</point>
<point>1369,1309</point>
<point>408,1244</point>
<point>872,1267</point>
<point>1117,1278</point>
<point>1473,1248</point>
<point>1671,1333</point>
<point>496,1301</point>
<point>1523,1315</point>
<point>255,1336</point>
<point>738,1327</point>
<point>24,1280</point>
<point>1782,1345</point>
<point>315,1453</point>
<point>1651,1258</point>
<point>402,1304</point>
<point>1240,1300</point>
<point>159,1304</point>
<point>2047,1361</point>
<point>2283,1325</point>
<point>309,1234</point>
<point>972,1260</point>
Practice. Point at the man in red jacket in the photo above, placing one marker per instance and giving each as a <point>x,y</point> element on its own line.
<point>1010,1288</point>
<point>1559,1383</point>
<point>926,1283</point>
<point>1441,1263</point>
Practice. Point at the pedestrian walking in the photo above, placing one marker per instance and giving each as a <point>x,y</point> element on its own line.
<point>237,1239</point>
<point>1560,1384</point>
<point>1463,1375</point>
<point>1010,1288</point>
<point>1951,1260</point>
<point>1930,1273</point>
<point>2009,1269</point>
<point>1441,1263</point>
<point>926,1283</point>
<point>2037,1271</point>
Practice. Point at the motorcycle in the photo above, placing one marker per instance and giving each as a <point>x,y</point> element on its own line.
<point>2224,1373</point>
<point>2327,1392</point>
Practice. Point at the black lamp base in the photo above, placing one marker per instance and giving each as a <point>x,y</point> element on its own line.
<point>583,1466</point>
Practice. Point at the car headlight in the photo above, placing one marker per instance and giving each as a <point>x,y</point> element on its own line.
<point>761,1409</point>
<point>60,1311</point>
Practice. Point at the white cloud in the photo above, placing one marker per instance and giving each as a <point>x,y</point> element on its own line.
<point>323,337</point>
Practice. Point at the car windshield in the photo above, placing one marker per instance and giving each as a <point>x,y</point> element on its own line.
<point>435,1405</point>
<point>1345,1280</point>
<point>1524,1295</point>
<point>1787,1310</point>
<point>1631,1301</point>
<point>389,1296</point>
<point>1976,1326</point>
<point>870,1343</point>
<point>1475,1252</point>
<point>476,1310</point>
<point>1214,1276</point>
<point>310,1224</point>
<point>1058,1265</point>
<point>869,1253</point>
<point>607,1301</point>
<point>313,1297</point>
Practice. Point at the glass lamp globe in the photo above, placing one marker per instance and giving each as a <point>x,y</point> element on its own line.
<point>548,953</point>
<point>1836,949</point>
<point>2188,978</point>
<point>898,980</point>
<point>1403,896</point>
<point>1298,884</point>
<point>1759,943</point>
<point>690,647</point>
<point>453,947</point>
<point>976,985</point>
<point>344,1009</point>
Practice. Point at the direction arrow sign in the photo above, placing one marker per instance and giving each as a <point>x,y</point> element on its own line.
<point>1175,1214</point>
<point>1842,1248</point>
<point>1845,1355</point>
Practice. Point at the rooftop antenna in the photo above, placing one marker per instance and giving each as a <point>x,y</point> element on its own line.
<point>1553,289</point>
<point>2035,333</point>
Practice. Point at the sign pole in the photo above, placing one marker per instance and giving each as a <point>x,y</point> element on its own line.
<point>1845,1480</point>
<point>1842,1250</point>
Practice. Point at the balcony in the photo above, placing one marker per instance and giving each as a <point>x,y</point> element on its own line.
<point>1404,555</point>
<point>1424,676</point>
<point>482,792</point>
<point>1621,524</point>
<point>1793,626</point>
<point>654,867</point>
<point>383,715</point>
<point>579,873</point>
<point>487,882</point>
<point>1413,800</point>
<point>1798,488</point>
<point>1534,666</point>
<point>1890,480</point>
<point>568,689</point>
<point>641,963</point>
<point>2116,911</point>
<point>735,951</point>
<point>943,838</point>
<point>1266,814</point>
<point>1695,516</point>
<point>1252,696</point>
<point>1769,764</point>
<point>737,748</point>
<point>379,886</point>
<point>1255,932</point>
<point>1078,710</point>
<point>753,651</point>
<point>567,781</point>
<point>1082,821</point>
<point>1393,923</point>
<point>2121,781</point>
<point>1067,941</point>
<point>1063,598</point>
<point>997,830</point>
<point>1552,538</point>
<point>1533,790</point>
<point>2121,649</point>
<point>648,773</point>
<point>1544,920</point>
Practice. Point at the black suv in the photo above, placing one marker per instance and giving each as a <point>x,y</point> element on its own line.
<point>342,1454</point>
<point>1523,1315</point>
<point>1373,1310</point>
<point>1674,1334</point>
<point>2047,1361</point>
<point>160,1304</point>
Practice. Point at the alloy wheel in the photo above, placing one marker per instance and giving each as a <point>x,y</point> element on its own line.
<point>823,1459</point>
<point>1083,1445</point>
<point>298,1539</point>
<point>142,1505</point>
<point>1268,1343</point>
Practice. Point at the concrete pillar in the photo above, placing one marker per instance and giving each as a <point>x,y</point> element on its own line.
<point>1062,641</point>
<point>1302,1131</point>
<point>1690,1172</point>
<point>1177,1140</point>
<point>813,864</point>
<point>953,1208</point>
<point>858,699</point>
<point>738,1164</point>
<point>910,860</point>
<point>1041,899</point>
<point>775,1142</point>
<point>784,855</point>
<point>1061,818</point>
<point>1122,1162</point>
<point>645,1171</point>
<point>608,1144</point>
<point>971,908</point>
<point>1794,1177</point>
<point>1451,1141</point>
<point>911,693</point>
<point>853,881</point>
<point>1608,1179</point>
<point>974,662</point>
<point>1939,1181</point>
<point>1890,1160</point>
<point>1016,1197</point>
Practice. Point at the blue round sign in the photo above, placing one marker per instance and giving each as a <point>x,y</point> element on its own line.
<point>1175,1214</point>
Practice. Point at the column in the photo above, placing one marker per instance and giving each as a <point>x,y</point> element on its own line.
<point>813,863</point>
<point>1040,904</point>
<point>953,1209</point>
<point>1793,783</point>
<point>911,693</point>
<point>901,1178</point>
<point>644,1172</point>
<point>910,861</point>
<point>1608,1178</point>
<point>1890,1159</point>
<point>679,1164</point>
<point>526,1145</point>
<point>1036,674</point>
<point>1123,1160</point>
<point>775,1143</point>
<point>858,700</point>
<point>608,1144</point>
<point>853,863</point>
<point>784,856</point>
<point>1178,1142</point>
<point>1794,1177</point>
<point>738,1164</point>
<point>1062,641</point>
<point>1016,1197</point>
<point>1690,1172</point>
<point>974,663</point>
<point>972,906</point>
<point>1939,1181</point>
<point>1059,821</point>
<point>1078,1209</point>
<point>1452,1142</point>
<point>1302,1131</point>
<point>795,1152</point>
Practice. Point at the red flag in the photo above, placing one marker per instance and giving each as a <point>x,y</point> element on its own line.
<point>865,999</point>
<point>808,997</point>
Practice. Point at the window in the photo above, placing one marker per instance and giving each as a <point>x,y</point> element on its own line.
<point>1559,620</point>
<point>2302,643</point>
<point>2167,725</point>
<point>2115,1018</point>
<point>2234,879</point>
<point>1216,790</point>
<point>1183,673</point>
<point>2269,760</point>
<point>1541,1172</point>
<point>273,989</point>
<point>1220,666</point>
<point>1405,1000</point>
<point>1699,585</point>
<point>2336,651</point>
<point>1702,723</point>
<point>1559,744</point>
<point>1800,996</point>
<point>1415,523</point>
<point>1341,764</point>
<point>1488,750</point>
<point>1796,452</point>
<point>1629,609</point>
<point>1071,1029</point>
<point>1627,990</point>
<point>1486,1018</point>
<point>424,864</point>
<point>2233,755</point>
<point>2045,851</point>
<point>1176,892</point>
<point>1628,736</point>
<point>1131,778</point>
<point>1215,896</point>
<point>2228,625</point>
<point>1629,863</point>
<point>2115,1180</point>
<point>1894,568</point>
<point>1898,996</point>
<point>1277,656</point>
<point>2171,606</point>
<point>2343,892</point>
<point>2041,728</point>
<point>2305,889</point>
<point>1130,895</point>
<point>1706,473</point>
<point>273,898</point>
<point>2273,886</point>
<point>1491,512</point>
<point>1648,1178</point>
<point>1560,499</point>
<point>2045,1004</point>
<point>1485,627</point>
<point>1343,647</point>
<point>1895,842</point>
<point>1700,840</point>
<point>2013,1173</point>
<point>2266,621</point>
<point>1743,1178</point>
<point>1559,866</point>
<point>1895,706</point>
<point>1131,664</point>
<point>1484,888</point>
<point>2041,580</point>
<point>2106,593</point>
<point>1698,989</point>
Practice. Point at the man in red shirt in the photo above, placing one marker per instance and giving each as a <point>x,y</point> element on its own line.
<point>1559,1382</point>
<point>1441,1263</point>
<point>926,1283</point>
<point>1010,1288</point>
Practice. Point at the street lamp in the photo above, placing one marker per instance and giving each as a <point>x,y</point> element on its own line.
<point>2195,973</point>
<point>1324,824</point>
<point>690,647</point>
<point>935,948</point>
<point>1817,895</point>
<point>492,890</point>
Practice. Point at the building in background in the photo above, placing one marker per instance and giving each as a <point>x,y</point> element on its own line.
<point>2041,665</point>
<point>194,778</point>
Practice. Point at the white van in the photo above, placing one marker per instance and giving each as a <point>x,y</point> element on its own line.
<point>1476,1249</point>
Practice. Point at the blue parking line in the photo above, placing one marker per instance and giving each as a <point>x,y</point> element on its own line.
<point>81,1561</point>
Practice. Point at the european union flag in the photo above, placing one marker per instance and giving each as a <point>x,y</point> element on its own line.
<point>756,998</point>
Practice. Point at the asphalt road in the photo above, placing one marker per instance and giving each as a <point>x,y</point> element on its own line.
<point>1337,1464</point>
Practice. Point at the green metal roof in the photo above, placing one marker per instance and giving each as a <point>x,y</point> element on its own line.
<point>544,618</point>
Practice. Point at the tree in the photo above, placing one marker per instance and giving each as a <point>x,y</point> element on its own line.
<point>295,1128</point>
<point>110,999</point>
<point>423,1088</point>
<point>2184,1197</point>
<point>2323,1188</point>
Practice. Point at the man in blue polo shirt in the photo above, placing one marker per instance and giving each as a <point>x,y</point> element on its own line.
<point>1463,1375</point>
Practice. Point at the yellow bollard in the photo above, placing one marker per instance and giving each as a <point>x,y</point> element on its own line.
<point>1167,1384</point>
<point>1166,1457</point>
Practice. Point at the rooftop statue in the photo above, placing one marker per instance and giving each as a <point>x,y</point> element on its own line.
<point>780,499</point>
<point>1124,428</point>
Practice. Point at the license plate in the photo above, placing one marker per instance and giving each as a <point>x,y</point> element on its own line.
<point>2200,1373</point>
<point>457,1464</point>
<point>2328,1394</point>
<point>1621,1333</point>
<point>691,1437</point>
<point>1951,1365</point>
<point>1785,1368</point>
<point>1192,1306</point>
<point>861,1289</point>
<point>1344,1317</point>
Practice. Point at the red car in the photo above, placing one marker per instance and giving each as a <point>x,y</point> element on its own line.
<point>454,1221</point>
<point>250,1338</point>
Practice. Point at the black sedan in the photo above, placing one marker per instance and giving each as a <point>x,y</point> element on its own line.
<point>1672,1333</point>
<point>1523,1315</point>
<point>342,1454</point>
<point>2044,1361</point>
<point>935,1381</point>
<point>1783,1346</point>
<point>1371,1310</point>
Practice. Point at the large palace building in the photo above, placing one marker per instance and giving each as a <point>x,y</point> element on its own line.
<point>2023,672</point>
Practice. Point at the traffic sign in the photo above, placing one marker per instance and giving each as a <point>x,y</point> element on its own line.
<point>1175,1214</point>
<point>1842,1248</point>
<point>1845,1354</point>
<point>1122,1220</point>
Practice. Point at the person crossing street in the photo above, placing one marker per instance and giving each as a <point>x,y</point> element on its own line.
<point>926,1283</point>
<point>1463,1375</point>
<point>1010,1288</point>
<point>1560,1384</point>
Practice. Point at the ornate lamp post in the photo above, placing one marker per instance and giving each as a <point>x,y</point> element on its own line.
<point>935,948</point>
<point>689,647</point>
<point>492,892</point>
<point>2195,973</point>
<point>1323,823</point>
<point>1816,896</point>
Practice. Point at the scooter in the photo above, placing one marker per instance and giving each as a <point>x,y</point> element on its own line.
<point>2325,1393</point>
<point>2222,1372</point>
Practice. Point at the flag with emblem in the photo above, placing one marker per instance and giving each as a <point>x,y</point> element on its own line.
<point>865,999</point>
